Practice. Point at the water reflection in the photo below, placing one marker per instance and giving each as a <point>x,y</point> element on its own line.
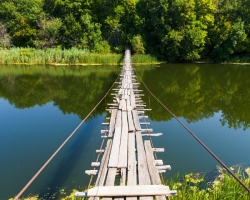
<point>73,90</point>
<point>196,92</point>
<point>206,96</point>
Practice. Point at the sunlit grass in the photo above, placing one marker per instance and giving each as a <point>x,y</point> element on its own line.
<point>65,57</point>
<point>193,186</point>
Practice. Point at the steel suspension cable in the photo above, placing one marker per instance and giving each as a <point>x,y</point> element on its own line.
<point>196,138</point>
<point>60,147</point>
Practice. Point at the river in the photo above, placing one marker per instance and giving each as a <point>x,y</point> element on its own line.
<point>41,106</point>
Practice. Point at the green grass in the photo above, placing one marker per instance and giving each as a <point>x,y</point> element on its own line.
<point>144,59</point>
<point>65,57</point>
<point>196,186</point>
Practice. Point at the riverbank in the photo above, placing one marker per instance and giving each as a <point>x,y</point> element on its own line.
<point>30,56</point>
<point>196,186</point>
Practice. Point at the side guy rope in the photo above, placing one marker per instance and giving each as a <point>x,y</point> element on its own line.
<point>54,154</point>
<point>196,138</point>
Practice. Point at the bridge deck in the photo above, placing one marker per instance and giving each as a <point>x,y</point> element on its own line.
<point>128,167</point>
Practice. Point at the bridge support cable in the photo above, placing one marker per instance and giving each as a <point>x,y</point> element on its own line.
<point>61,146</point>
<point>196,138</point>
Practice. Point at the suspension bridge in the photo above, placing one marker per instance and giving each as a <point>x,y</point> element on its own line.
<point>129,167</point>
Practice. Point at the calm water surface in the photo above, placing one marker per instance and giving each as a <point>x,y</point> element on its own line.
<point>41,106</point>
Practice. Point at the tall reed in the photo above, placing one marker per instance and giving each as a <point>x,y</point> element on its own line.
<point>72,56</point>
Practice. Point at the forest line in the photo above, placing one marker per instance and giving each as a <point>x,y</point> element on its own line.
<point>172,30</point>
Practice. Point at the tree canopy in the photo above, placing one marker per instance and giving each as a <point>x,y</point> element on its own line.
<point>175,30</point>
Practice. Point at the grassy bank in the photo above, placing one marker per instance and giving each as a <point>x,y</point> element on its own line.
<point>199,187</point>
<point>65,57</point>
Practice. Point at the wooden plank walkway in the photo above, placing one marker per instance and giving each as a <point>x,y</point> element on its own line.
<point>128,168</point>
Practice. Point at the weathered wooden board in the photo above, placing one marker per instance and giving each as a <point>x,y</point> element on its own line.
<point>136,120</point>
<point>123,157</point>
<point>142,164</point>
<point>103,168</point>
<point>113,161</point>
<point>142,190</point>
<point>112,122</point>
<point>131,160</point>
<point>131,126</point>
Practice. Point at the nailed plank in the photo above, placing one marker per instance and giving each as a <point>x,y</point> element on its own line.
<point>122,163</point>
<point>163,167</point>
<point>111,176</point>
<point>131,126</point>
<point>144,178</point>
<point>158,149</point>
<point>110,181</point>
<point>152,134</point>
<point>132,99</point>
<point>123,176</point>
<point>112,122</point>
<point>136,120</point>
<point>153,171</point>
<point>91,172</point>
<point>150,161</point>
<point>113,161</point>
<point>129,107</point>
<point>143,117</point>
<point>95,164</point>
<point>131,159</point>
<point>142,190</point>
<point>158,162</point>
<point>104,168</point>
<point>121,104</point>
<point>142,164</point>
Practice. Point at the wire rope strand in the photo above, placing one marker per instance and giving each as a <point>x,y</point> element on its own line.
<point>196,138</point>
<point>60,147</point>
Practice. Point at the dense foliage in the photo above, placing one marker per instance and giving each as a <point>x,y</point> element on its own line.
<point>171,29</point>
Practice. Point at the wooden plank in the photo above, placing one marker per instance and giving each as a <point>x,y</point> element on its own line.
<point>144,178</point>
<point>163,167</point>
<point>113,161</point>
<point>123,157</point>
<point>121,104</point>
<point>104,168</point>
<point>112,122</point>
<point>151,166</point>
<point>152,134</point>
<point>143,117</point>
<point>128,191</point>
<point>142,164</point>
<point>132,100</point>
<point>131,126</point>
<point>110,180</point>
<point>158,162</point>
<point>136,120</point>
<point>131,159</point>
<point>147,130</point>
<point>95,164</point>
<point>153,171</point>
<point>99,151</point>
<point>129,107</point>
<point>123,176</point>
<point>158,149</point>
<point>111,176</point>
<point>91,172</point>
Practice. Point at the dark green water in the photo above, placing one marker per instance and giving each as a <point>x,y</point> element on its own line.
<point>41,106</point>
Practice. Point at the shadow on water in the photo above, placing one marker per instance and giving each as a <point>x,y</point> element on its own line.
<point>67,165</point>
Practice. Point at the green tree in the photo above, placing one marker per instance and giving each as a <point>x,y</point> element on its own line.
<point>48,32</point>
<point>20,17</point>
<point>5,40</point>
